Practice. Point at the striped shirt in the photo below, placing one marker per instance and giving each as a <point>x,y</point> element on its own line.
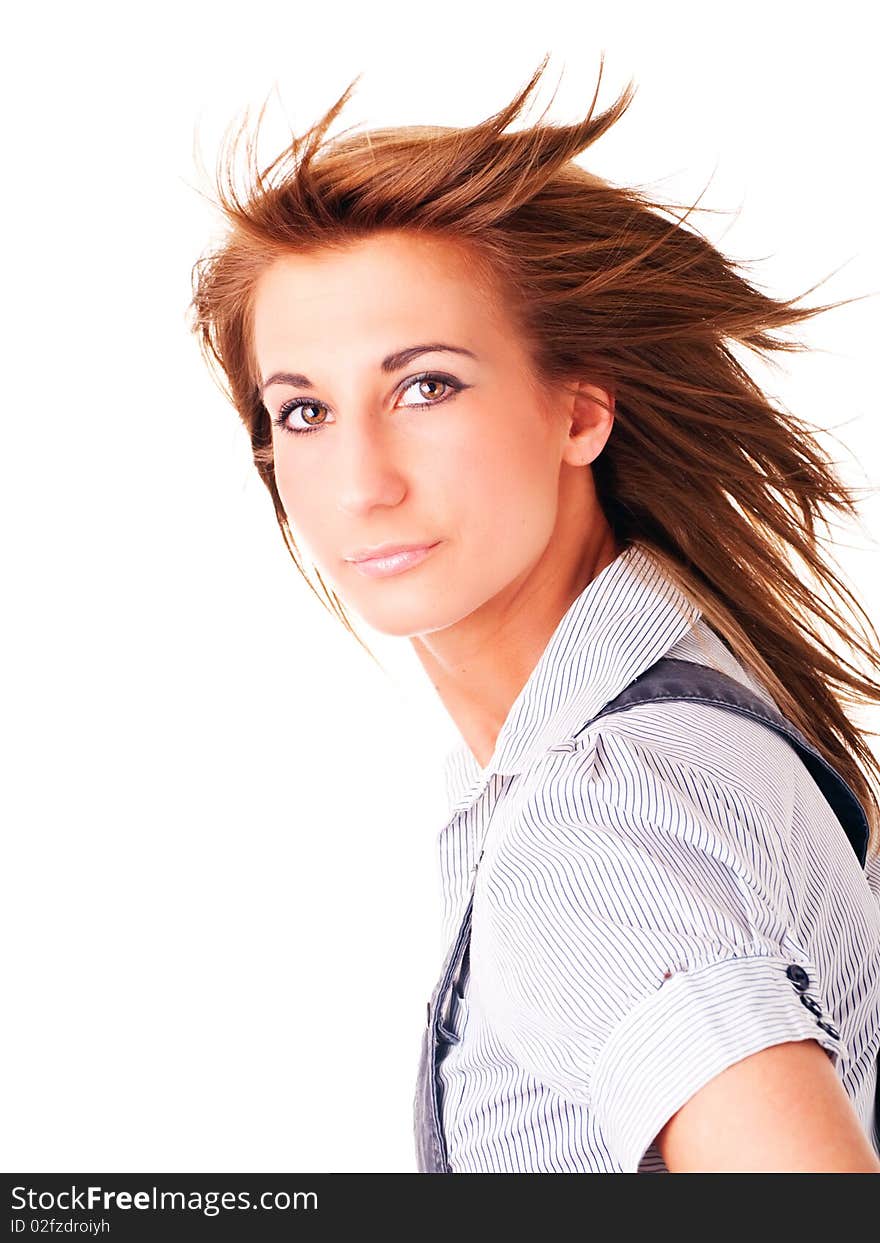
<point>643,884</point>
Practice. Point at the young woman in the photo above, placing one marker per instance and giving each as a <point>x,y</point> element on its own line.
<point>497,399</point>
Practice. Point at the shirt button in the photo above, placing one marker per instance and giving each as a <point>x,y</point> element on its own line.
<point>798,976</point>
<point>811,1004</point>
<point>826,1027</point>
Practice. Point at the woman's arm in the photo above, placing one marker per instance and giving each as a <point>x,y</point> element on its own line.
<point>780,1110</point>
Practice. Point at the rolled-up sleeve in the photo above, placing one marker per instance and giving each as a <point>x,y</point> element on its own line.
<point>640,939</point>
<point>690,1029</point>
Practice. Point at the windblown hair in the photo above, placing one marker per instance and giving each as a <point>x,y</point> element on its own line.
<point>725,489</point>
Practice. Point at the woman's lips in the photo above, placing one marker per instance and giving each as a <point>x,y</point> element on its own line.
<point>395,563</point>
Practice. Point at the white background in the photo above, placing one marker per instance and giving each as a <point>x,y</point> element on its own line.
<point>220,890</point>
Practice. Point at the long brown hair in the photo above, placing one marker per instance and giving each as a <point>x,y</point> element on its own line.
<point>700,468</point>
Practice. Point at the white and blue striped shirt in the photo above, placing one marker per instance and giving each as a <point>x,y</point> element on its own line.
<point>641,891</point>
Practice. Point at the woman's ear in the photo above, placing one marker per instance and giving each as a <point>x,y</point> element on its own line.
<point>590,419</point>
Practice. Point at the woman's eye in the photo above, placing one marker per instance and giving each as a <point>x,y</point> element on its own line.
<point>300,404</point>
<point>428,380</point>
<point>314,422</point>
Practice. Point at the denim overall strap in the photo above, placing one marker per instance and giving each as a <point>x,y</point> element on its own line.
<point>436,1038</point>
<point>667,680</point>
<point>670,679</point>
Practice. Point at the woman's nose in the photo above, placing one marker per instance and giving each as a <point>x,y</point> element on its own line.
<point>368,472</point>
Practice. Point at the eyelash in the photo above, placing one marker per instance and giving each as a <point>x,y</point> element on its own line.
<point>289,406</point>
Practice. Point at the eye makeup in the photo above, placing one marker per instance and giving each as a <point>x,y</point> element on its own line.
<point>297,403</point>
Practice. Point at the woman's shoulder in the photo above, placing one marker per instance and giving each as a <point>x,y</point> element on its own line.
<point>667,792</point>
<point>687,745</point>
<point>706,788</point>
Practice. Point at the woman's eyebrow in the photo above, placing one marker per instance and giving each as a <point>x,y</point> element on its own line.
<point>393,362</point>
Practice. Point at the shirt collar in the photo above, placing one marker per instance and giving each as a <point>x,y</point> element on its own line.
<point>623,621</point>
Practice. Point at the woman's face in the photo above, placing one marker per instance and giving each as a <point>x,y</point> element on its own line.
<point>465,458</point>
